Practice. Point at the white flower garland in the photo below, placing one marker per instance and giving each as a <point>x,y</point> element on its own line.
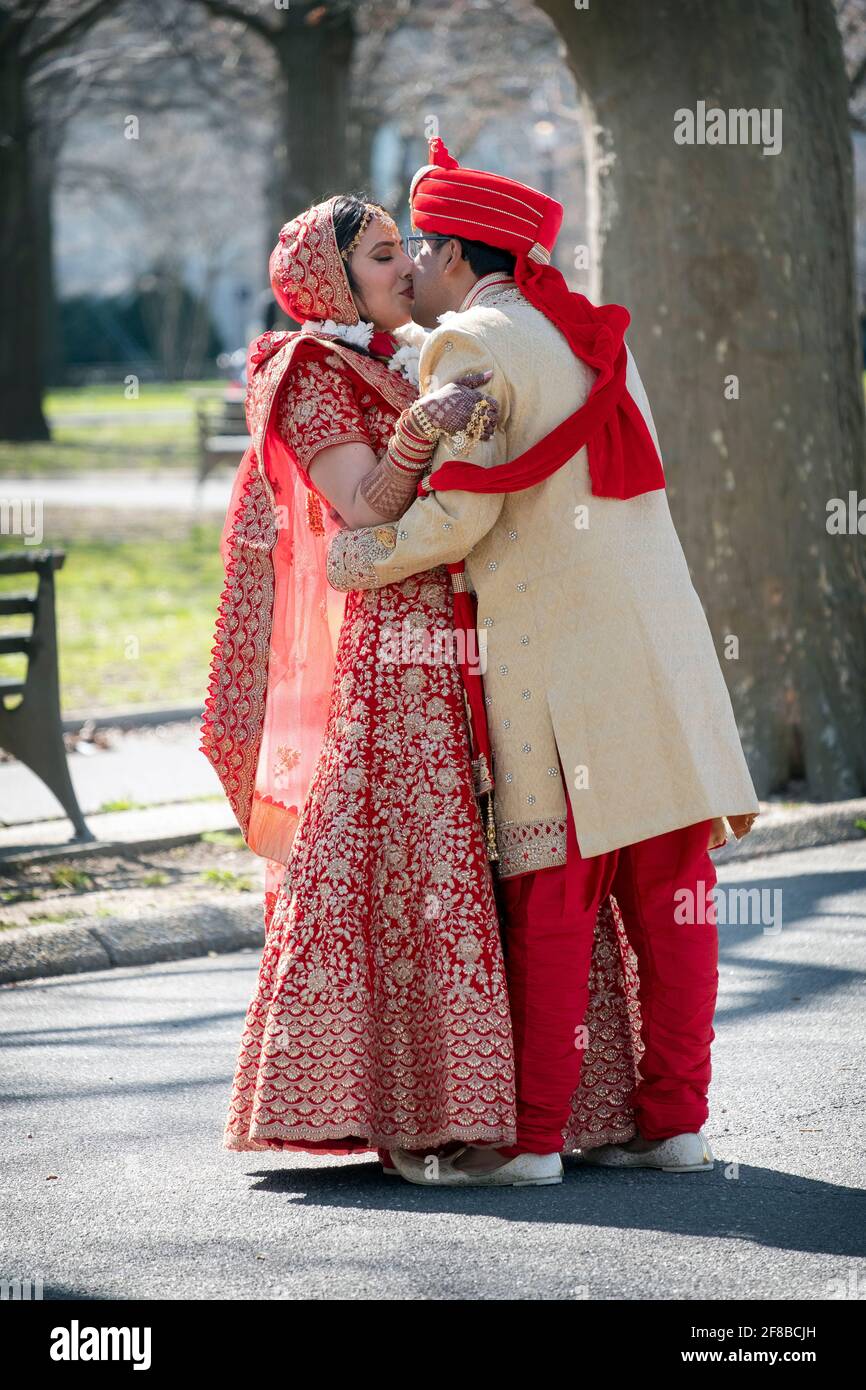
<point>405,360</point>
<point>359,334</point>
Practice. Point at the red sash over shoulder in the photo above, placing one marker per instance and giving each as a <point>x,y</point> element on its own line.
<point>609,410</point>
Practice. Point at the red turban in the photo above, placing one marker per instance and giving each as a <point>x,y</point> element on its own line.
<point>483,207</point>
<point>471,203</point>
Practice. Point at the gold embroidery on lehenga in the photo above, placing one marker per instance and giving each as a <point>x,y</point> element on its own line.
<point>263,394</point>
<point>380,1014</point>
<point>601,1107</point>
<point>385,929</point>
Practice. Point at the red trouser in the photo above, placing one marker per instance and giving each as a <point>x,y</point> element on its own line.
<point>549,922</point>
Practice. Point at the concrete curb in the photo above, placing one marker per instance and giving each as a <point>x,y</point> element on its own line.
<point>132,717</point>
<point>144,829</point>
<point>29,953</point>
<point>797,827</point>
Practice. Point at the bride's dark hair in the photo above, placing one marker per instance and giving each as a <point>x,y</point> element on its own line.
<point>349,212</point>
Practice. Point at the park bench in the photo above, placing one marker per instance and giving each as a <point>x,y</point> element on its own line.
<point>32,731</point>
<point>222,433</point>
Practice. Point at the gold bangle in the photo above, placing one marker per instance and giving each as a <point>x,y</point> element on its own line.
<point>478,420</point>
<point>473,431</point>
<point>403,462</point>
<point>412,437</point>
<point>419,416</point>
<point>414,456</point>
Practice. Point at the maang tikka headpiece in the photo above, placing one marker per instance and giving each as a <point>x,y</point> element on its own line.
<point>373,210</point>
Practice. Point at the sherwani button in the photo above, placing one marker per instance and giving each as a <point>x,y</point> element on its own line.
<point>527,747</point>
<point>526,694</point>
<point>488,622</point>
<point>509,776</point>
<point>521,588</point>
<point>525,640</point>
<point>506,723</point>
<point>491,565</point>
<point>503,670</point>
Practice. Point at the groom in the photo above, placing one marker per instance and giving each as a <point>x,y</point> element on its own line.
<point>615,751</point>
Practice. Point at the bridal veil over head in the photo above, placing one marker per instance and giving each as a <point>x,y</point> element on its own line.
<point>279,620</point>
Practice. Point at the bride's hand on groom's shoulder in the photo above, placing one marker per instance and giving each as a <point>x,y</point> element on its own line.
<point>456,406</point>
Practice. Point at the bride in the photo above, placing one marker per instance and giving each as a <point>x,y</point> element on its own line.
<point>380,1016</point>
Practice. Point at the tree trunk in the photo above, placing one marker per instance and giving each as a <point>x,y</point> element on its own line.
<point>737,263</point>
<point>21,289</point>
<point>363,123</point>
<point>46,146</point>
<point>312,157</point>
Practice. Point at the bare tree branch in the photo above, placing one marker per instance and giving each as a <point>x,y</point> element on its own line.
<point>183,41</point>
<point>18,24</point>
<point>221,9</point>
<point>79,24</point>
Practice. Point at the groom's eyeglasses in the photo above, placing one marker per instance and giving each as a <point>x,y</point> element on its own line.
<point>413,243</point>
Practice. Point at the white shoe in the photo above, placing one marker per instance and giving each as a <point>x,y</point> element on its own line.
<point>387,1163</point>
<point>526,1170</point>
<point>682,1153</point>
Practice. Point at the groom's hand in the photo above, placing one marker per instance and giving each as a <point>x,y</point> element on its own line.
<point>718,833</point>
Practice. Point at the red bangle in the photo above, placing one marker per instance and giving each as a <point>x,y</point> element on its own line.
<point>409,466</point>
<point>416,438</point>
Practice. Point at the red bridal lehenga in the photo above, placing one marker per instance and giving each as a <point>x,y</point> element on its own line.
<point>380,1015</point>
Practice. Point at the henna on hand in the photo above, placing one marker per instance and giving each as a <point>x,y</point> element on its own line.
<point>453,407</point>
<point>392,484</point>
<point>388,489</point>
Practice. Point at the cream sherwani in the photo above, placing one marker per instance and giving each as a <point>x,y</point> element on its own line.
<point>598,652</point>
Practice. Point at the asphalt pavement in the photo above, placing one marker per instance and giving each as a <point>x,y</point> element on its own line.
<point>116,1185</point>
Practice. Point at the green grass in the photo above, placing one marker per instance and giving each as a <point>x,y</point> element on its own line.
<point>135,618</point>
<point>137,596</point>
<point>51,916</point>
<point>56,459</point>
<point>227,839</point>
<point>89,400</point>
<point>68,876</point>
<point>226,878</point>
<point>132,442</point>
